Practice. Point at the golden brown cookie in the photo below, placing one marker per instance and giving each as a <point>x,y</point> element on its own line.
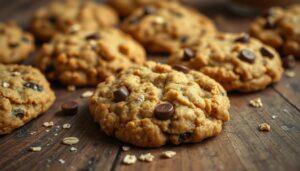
<point>58,17</point>
<point>280,28</point>
<point>87,57</point>
<point>165,26</point>
<point>236,61</point>
<point>15,44</point>
<point>24,94</point>
<point>152,104</point>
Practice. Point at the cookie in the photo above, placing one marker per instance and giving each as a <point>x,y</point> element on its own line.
<point>126,7</point>
<point>152,104</point>
<point>164,26</point>
<point>236,61</point>
<point>280,28</point>
<point>15,44</point>
<point>24,95</point>
<point>58,17</point>
<point>87,57</point>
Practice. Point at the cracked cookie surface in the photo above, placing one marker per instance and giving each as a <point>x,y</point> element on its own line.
<point>152,104</point>
<point>24,94</point>
<point>87,57</point>
<point>164,26</point>
<point>59,17</point>
<point>15,43</point>
<point>236,61</point>
<point>280,28</point>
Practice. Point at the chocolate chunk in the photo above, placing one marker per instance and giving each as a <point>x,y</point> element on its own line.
<point>270,24</point>
<point>188,54</point>
<point>52,19</point>
<point>164,111</point>
<point>134,19</point>
<point>266,53</point>
<point>267,13</point>
<point>49,68</point>
<point>289,62</point>
<point>184,136</point>
<point>121,94</point>
<point>184,39</point>
<point>34,86</point>
<point>13,45</point>
<point>247,55</point>
<point>148,10</point>
<point>243,39</point>
<point>94,36</point>
<point>18,113</point>
<point>70,108</point>
<point>181,68</point>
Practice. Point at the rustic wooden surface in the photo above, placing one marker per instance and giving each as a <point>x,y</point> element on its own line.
<point>239,147</point>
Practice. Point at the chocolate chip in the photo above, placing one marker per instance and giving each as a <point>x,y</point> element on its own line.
<point>181,68</point>
<point>13,45</point>
<point>247,55</point>
<point>134,19</point>
<point>289,62</point>
<point>184,39</point>
<point>148,10</point>
<point>121,94</point>
<point>188,54</point>
<point>94,36</point>
<point>24,39</point>
<point>18,113</point>
<point>266,53</point>
<point>34,86</point>
<point>49,68</point>
<point>70,108</point>
<point>270,24</point>
<point>184,136</point>
<point>164,111</point>
<point>243,39</point>
<point>52,19</point>
<point>267,13</point>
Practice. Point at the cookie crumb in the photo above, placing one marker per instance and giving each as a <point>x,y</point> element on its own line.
<point>257,103</point>
<point>55,134</point>
<point>70,140</point>
<point>35,149</point>
<point>129,159</point>
<point>146,157</point>
<point>47,130</point>
<point>33,132</point>
<point>274,116</point>
<point>290,74</point>
<point>61,161</point>
<point>71,88</point>
<point>125,148</point>
<point>48,124</point>
<point>264,127</point>
<point>66,126</point>
<point>16,73</point>
<point>87,94</point>
<point>73,149</point>
<point>168,154</point>
<point>5,84</point>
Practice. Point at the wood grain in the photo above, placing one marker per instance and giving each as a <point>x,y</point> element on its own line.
<point>240,146</point>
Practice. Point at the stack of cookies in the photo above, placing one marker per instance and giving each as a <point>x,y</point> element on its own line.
<point>140,102</point>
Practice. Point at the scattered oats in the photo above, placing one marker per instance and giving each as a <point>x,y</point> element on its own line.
<point>146,157</point>
<point>66,126</point>
<point>264,127</point>
<point>33,132</point>
<point>73,149</point>
<point>70,140</point>
<point>159,20</point>
<point>274,116</point>
<point>48,124</point>
<point>129,159</point>
<point>257,103</point>
<point>290,74</point>
<point>47,130</point>
<point>71,88</point>
<point>36,149</point>
<point>125,148</point>
<point>62,161</point>
<point>140,99</point>
<point>168,154</point>
<point>16,73</point>
<point>87,94</point>
<point>5,84</point>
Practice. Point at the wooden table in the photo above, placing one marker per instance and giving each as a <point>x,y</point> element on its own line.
<point>239,147</point>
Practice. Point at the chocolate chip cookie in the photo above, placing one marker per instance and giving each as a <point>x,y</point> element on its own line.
<point>164,26</point>
<point>280,28</point>
<point>236,61</point>
<point>59,17</point>
<point>24,94</point>
<point>152,104</point>
<point>87,57</point>
<point>126,7</point>
<point>15,44</point>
